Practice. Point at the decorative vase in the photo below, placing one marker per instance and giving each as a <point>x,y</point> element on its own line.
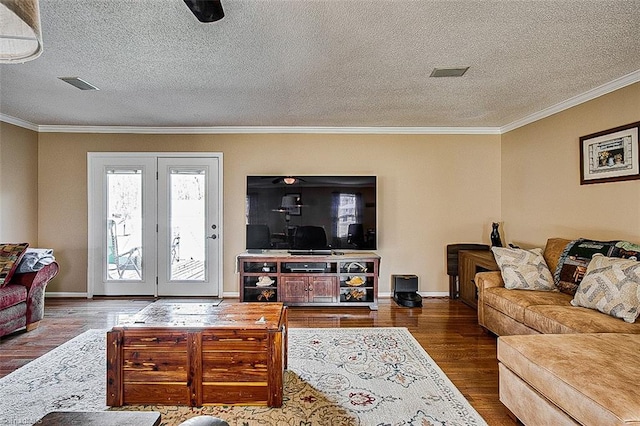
<point>496,241</point>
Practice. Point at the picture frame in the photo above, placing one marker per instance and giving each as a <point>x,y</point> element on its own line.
<point>295,211</point>
<point>610,155</point>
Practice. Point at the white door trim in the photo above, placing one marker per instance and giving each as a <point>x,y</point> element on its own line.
<point>91,252</point>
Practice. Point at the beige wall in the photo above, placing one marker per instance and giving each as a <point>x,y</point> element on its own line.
<point>433,190</point>
<point>18,185</point>
<point>541,192</point>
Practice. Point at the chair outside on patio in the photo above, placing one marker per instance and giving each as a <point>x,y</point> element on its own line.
<point>125,261</point>
<point>175,249</point>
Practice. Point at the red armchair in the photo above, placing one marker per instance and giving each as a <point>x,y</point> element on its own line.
<point>22,299</point>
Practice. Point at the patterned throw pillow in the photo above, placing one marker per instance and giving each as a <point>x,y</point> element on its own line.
<point>611,286</point>
<point>575,259</point>
<point>10,255</point>
<point>523,269</point>
<point>628,250</point>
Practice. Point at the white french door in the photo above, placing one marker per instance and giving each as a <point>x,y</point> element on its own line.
<point>188,231</point>
<point>155,224</point>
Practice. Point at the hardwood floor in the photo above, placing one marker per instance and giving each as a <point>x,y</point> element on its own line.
<point>447,329</point>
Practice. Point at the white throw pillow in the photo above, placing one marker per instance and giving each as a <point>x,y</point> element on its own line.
<point>611,286</point>
<point>523,269</point>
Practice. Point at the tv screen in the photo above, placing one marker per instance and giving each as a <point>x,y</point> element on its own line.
<point>311,213</point>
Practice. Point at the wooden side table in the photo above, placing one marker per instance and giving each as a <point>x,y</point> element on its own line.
<point>470,263</point>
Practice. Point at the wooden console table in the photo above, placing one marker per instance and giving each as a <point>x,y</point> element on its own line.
<point>470,262</point>
<point>195,353</point>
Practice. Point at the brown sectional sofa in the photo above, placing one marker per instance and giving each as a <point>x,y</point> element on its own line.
<point>560,364</point>
<point>506,312</point>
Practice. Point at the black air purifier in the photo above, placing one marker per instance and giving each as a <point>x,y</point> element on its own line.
<point>405,290</point>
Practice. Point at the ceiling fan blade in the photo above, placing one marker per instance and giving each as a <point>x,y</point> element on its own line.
<point>206,10</point>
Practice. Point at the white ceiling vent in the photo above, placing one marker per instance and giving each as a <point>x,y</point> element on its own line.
<point>448,72</point>
<point>79,83</point>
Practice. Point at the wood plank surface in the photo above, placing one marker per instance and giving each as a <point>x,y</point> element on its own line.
<point>258,316</point>
<point>255,393</point>
<point>161,393</point>
<point>154,366</point>
<point>275,369</point>
<point>234,366</point>
<point>114,372</point>
<point>194,366</point>
<point>100,418</point>
<point>447,329</point>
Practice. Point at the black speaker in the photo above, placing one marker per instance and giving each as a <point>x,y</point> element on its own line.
<point>405,290</point>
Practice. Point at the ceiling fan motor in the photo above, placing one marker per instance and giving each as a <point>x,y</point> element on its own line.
<point>206,10</point>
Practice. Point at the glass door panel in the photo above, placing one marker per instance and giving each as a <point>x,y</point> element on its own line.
<point>124,225</point>
<point>187,223</point>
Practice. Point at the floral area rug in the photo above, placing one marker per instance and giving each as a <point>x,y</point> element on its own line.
<point>347,376</point>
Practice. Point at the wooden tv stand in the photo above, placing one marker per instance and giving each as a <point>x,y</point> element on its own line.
<point>310,280</point>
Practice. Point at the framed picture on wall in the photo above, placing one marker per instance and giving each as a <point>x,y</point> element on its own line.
<point>610,155</point>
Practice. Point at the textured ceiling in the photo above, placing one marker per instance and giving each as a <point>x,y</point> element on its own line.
<point>335,63</point>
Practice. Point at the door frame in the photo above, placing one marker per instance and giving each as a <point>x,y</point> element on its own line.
<point>93,253</point>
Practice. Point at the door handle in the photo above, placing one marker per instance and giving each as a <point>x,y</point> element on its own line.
<point>213,236</point>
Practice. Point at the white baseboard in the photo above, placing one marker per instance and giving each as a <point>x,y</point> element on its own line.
<point>434,293</point>
<point>65,294</point>
<point>421,293</point>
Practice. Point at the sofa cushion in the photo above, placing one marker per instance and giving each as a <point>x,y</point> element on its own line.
<point>10,255</point>
<point>553,250</point>
<point>555,319</point>
<point>601,389</point>
<point>526,404</point>
<point>13,318</point>
<point>523,269</point>
<point>12,295</point>
<point>503,325</point>
<point>612,286</point>
<point>514,302</point>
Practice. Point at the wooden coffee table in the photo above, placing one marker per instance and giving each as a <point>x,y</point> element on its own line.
<point>196,354</point>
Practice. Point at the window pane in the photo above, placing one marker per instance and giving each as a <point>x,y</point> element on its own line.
<point>187,223</point>
<point>124,225</point>
<point>346,213</point>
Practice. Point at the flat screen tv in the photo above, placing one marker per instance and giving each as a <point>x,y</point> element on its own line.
<point>311,214</point>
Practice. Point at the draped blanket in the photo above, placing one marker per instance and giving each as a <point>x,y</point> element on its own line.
<point>35,259</point>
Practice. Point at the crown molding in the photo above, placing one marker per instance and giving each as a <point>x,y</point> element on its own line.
<point>273,130</point>
<point>609,87</point>
<point>18,122</point>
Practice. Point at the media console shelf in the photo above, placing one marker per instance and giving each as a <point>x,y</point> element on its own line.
<point>310,280</point>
